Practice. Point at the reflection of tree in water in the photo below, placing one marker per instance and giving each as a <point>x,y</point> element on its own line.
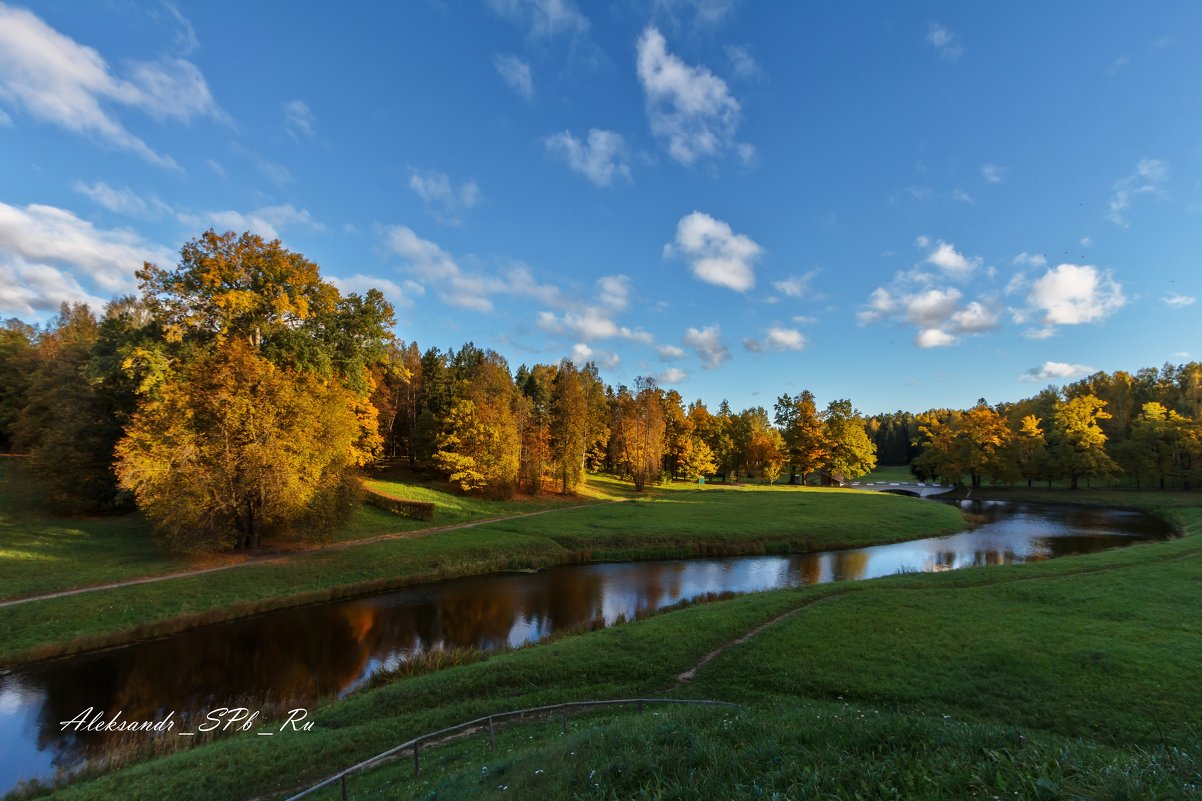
<point>245,663</point>
<point>850,565</point>
<point>809,568</point>
<point>992,557</point>
<point>565,598</point>
<point>477,615</point>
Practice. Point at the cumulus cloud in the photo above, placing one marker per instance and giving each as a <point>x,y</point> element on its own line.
<point>708,345</point>
<point>1148,178</point>
<point>1071,294</point>
<point>49,256</point>
<point>54,79</point>
<point>670,352</point>
<point>614,291</point>
<point>945,256</point>
<point>445,201</point>
<point>1051,371</point>
<point>688,107</point>
<point>516,74</point>
<point>1176,301</point>
<point>1030,259</point>
<point>601,157</point>
<point>673,375</point>
<point>458,287</point>
<point>777,339</point>
<point>543,18</point>
<point>934,338</point>
<point>795,286</point>
<point>945,41</point>
<point>715,253</point>
<point>267,222</point>
<point>974,318</point>
<point>359,283</point>
<point>299,120</point>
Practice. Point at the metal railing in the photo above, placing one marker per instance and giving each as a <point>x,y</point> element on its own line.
<point>488,721</point>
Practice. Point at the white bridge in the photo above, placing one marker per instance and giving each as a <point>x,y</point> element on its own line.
<point>917,489</point>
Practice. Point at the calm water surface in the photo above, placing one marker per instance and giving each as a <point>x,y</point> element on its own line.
<point>295,656</point>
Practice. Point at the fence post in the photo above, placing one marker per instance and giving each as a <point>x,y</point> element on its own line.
<point>563,713</point>
<point>417,764</point>
<point>491,745</point>
<point>344,787</point>
<point>640,705</point>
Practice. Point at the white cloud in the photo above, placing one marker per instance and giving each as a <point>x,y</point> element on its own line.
<point>118,201</point>
<point>715,253</point>
<point>581,353</point>
<point>993,173</point>
<point>443,200</point>
<point>804,319</point>
<point>601,158</point>
<point>1043,332</point>
<point>960,196</point>
<point>516,74</point>
<point>614,290</point>
<point>1148,178</point>
<point>359,283</point>
<point>299,120</point>
<point>974,318</point>
<point>457,287</point>
<point>1176,301</point>
<point>673,375</point>
<point>689,107</point>
<point>934,338</point>
<point>778,339</point>
<point>795,286</point>
<point>1030,259</point>
<point>707,344</point>
<point>54,79</point>
<point>945,41</point>
<point>1071,294</point>
<point>1086,242</point>
<point>945,256</point>
<point>670,352</point>
<point>48,256</point>
<point>1055,370</point>
<point>543,18</point>
<point>5,120</point>
<point>932,307</point>
<point>267,222</point>
<point>880,305</point>
<point>741,61</point>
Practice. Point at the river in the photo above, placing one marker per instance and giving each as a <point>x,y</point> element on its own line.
<point>296,656</point>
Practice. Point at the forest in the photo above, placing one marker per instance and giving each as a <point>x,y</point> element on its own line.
<point>240,395</point>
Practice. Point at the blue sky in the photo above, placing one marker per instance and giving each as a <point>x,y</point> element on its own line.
<point>910,205</point>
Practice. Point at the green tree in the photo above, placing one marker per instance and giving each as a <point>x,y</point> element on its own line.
<point>569,426</point>
<point>639,431</point>
<point>852,454</point>
<point>806,446</point>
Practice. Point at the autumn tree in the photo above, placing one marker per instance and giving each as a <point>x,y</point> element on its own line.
<point>256,400</point>
<point>1029,448</point>
<point>569,426</point>
<point>232,447</point>
<point>479,440</point>
<point>1077,442</point>
<point>639,431</point>
<point>851,453</point>
<point>17,361</point>
<point>806,446</point>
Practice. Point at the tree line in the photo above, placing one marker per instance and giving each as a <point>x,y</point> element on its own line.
<point>238,395</point>
<point>1145,429</point>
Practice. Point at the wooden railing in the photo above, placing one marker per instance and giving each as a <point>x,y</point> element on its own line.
<point>415,745</point>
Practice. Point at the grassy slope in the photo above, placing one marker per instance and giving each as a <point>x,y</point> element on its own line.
<point>1062,679</point>
<point>673,523</point>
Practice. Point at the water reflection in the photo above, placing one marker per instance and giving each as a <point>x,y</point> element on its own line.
<point>297,655</point>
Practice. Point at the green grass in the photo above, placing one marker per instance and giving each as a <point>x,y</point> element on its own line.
<point>1070,678</point>
<point>888,475</point>
<point>42,553</point>
<point>672,524</point>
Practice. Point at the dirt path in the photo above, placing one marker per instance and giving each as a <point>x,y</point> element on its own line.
<point>277,557</point>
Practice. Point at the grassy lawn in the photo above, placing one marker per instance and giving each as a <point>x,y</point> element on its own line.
<point>678,523</point>
<point>1069,678</point>
<point>41,553</point>
<point>899,474</point>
